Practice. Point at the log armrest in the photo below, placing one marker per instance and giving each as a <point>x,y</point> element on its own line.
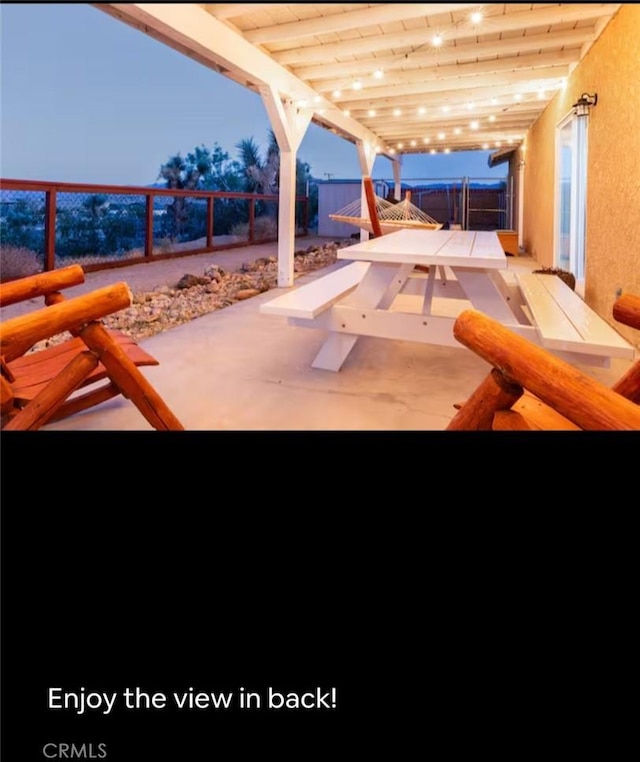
<point>19,334</point>
<point>626,310</point>
<point>40,284</point>
<point>567,390</point>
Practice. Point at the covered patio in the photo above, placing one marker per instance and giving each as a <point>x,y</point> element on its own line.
<point>391,78</point>
<point>254,371</point>
<point>238,370</point>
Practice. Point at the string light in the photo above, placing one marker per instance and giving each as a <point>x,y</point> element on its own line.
<point>438,39</point>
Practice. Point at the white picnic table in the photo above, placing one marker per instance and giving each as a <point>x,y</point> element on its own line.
<point>380,292</point>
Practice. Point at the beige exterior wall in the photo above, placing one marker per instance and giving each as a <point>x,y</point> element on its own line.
<point>611,68</point>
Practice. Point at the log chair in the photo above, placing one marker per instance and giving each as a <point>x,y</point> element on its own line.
<point>38,387</point>
<point>529,388</point>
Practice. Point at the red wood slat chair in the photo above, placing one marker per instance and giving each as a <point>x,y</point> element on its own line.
<point>40,387</point>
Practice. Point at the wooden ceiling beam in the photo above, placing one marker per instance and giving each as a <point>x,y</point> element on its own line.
<point>457,71</point>
<point>502,79</point>
<point>483,109</point>
<point>495,24</point>
<point>225,11</point>
<point>342,22</point>
<point>449,54</point>
<point>453,98</point>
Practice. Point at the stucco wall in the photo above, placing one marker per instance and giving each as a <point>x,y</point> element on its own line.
<point>611,68</point>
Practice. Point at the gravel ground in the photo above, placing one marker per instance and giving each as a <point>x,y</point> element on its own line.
<point>174,291</point>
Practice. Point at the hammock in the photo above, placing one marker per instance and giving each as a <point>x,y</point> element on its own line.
<point>392,216</point>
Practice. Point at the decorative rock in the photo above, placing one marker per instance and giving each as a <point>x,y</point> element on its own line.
<point>247,293</point>
<point>165,307</point>
<point>189,281</point>
<point>214,271</point>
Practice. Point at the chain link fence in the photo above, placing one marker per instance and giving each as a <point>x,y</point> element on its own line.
<point>56,225</point>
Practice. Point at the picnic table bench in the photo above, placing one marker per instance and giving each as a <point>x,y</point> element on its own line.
<point>564,322</point>
<point>310,300</point>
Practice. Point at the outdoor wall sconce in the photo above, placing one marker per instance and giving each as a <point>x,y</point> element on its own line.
<point>584,103</point>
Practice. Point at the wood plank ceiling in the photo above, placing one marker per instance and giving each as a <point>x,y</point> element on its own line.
<point>420,76</point>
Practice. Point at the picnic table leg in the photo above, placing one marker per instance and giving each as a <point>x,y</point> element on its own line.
<point>428,292</point>
<point>334,351</point>
<point>484,295</point>
<point>379,287</point>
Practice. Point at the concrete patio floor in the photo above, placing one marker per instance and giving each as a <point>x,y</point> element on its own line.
<point>239,370</point>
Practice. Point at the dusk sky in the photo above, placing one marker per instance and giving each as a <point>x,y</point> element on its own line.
<point>86,98</point>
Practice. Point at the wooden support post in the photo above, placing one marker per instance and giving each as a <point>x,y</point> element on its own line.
<point>371,204</point>
<point>209,222</point>
<point>252,219</point>
<point>496,392</point>
<point>50,230</point>
<point>148,227</point>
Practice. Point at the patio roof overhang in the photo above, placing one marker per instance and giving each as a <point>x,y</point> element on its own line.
<point>400,77</point>
<point>501,156</point>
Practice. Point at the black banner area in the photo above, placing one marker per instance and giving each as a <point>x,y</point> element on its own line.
<point>300,597</point>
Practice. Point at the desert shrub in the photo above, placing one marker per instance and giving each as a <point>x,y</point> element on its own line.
<point>263,227</point>
<point>18,262</point>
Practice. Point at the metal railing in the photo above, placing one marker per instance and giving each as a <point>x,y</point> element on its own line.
<point>103,226</point>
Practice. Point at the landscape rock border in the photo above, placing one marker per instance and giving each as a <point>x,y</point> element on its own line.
<point>170,305</point>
